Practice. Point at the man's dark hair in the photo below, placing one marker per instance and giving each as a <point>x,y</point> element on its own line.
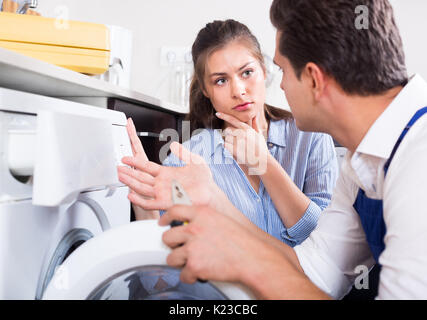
<point>364,61</point>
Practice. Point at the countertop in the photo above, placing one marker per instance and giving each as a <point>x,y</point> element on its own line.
<point>19,72</point>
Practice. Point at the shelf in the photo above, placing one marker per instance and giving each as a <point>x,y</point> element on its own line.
<point>19,72</point>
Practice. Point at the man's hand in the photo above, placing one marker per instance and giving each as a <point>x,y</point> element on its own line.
<point>137,149</point>
<point>151,183</point>
<point>213,246</point>
<point>139,153</point>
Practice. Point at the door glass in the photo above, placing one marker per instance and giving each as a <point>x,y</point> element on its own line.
<point>154,283</point>
<point>69,243</point>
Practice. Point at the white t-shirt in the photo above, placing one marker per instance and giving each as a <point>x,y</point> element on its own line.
<point>331,256</point>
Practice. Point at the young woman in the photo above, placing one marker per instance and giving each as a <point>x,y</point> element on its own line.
<point>279,177</point>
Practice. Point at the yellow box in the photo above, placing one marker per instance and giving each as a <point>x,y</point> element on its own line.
<point>80,46</point>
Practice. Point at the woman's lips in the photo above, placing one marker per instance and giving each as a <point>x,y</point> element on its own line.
<point>243,107</point>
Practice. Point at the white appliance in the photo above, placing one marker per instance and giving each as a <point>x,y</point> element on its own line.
<point>129,263</point>
<point>64,216</point>
<point>119,72</point>
<point>58,185</point>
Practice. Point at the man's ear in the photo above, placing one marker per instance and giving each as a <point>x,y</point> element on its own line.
<point>315,78</point>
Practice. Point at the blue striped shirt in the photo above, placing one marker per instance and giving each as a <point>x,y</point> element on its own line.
<point>308,158</point>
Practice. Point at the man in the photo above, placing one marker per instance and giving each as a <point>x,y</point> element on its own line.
<point>351,82</point>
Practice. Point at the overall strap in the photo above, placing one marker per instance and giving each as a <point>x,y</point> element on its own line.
<point>411,122</point>
<point>372,220</point>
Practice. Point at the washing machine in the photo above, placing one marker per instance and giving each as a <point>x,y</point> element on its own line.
<point>129,263</point>
<point>58,185</point>
<point>65,230</point>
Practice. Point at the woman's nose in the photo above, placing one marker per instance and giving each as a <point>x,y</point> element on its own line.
<point>238,88</point>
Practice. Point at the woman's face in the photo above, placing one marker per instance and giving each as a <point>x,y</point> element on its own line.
<point>235,82</point>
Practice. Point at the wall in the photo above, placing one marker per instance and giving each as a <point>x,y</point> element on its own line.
<point>410,17</point>
<point>158,23</point>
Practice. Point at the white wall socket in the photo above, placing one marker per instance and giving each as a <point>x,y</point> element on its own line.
<point>171,56</point>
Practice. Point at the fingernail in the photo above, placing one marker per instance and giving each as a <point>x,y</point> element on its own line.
<point>218,114</point>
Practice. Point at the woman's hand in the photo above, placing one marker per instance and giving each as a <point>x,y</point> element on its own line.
<point>246,143</point>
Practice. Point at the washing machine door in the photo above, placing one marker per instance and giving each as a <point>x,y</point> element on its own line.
<point>129,262</point>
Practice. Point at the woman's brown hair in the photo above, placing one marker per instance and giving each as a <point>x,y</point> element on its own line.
<point>214,36</point>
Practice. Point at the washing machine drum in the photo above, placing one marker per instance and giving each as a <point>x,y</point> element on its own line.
<point>129,263</point>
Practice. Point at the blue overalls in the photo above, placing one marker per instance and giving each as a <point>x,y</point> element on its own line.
<point>371,210</point>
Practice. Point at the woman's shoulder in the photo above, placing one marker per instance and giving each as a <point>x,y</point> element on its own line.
<point>294,134</point>
<point>289,129</point>
<point>284,123</point>
<point>291,125</point>
<point>202,143</point>
<point>200,137</point>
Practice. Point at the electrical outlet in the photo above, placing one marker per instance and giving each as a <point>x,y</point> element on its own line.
<point>171,56</point>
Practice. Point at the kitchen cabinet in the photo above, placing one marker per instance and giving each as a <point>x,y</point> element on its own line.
<point>151,122</point>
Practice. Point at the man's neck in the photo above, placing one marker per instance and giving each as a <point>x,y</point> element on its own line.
<point>357,115</point>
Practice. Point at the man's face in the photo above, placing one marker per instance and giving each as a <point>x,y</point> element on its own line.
<point>296,90</point>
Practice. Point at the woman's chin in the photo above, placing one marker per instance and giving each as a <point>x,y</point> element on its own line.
<point>245,116</point>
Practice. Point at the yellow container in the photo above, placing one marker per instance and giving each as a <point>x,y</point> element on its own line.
<point>79,46</point>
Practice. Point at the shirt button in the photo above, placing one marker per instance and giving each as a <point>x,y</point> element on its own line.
<point>285,234</point>
<point>258,200</point>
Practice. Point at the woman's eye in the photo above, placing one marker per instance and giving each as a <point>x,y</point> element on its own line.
<point>220,81</point>
<point>247,73</point>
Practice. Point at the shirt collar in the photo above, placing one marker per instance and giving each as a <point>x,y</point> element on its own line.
<point>383,134</point>
<point>276,134</point>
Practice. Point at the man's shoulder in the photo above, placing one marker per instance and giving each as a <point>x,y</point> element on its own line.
<point>412,152</point>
